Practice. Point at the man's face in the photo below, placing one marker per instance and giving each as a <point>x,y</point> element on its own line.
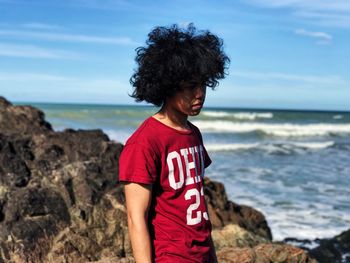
<point>189,100</point>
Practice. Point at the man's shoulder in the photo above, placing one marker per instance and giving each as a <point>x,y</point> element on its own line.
<point>195,128</point>
<point>144,134</point>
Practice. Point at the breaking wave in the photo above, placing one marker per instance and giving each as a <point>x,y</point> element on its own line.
<point>270,147</point>
<point>238,115</point>
<point>280,130</point>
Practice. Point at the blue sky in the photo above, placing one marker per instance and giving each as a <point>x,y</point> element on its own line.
<point>285,54</point>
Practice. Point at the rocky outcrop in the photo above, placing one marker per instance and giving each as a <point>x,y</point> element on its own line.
<point>21,119</point>
<point>223,211</point>
<point>328,250</point>
<point>336,249</point>
<point>60,200</point>
<point>264,253</point>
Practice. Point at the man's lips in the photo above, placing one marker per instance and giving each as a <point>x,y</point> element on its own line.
<point>197,106</point>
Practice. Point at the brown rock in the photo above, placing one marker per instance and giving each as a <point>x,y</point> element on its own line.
<point>223,212</point>
<point>12,163</point>
<point>282,253</point>
<point>31,217</point>
<point>25,120</point>
<point>265,253</point>
<point>59,198</point>
<point>237,255</point>
<point>233,235</point>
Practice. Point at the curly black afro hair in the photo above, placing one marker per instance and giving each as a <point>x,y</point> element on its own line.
<point>174,56</point>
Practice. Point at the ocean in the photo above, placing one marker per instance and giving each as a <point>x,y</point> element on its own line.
<point>293,166</point>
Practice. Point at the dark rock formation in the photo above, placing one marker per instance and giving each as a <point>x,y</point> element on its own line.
<point>328,250</point>
<point>60,200</point>
<point>334,250</point>
<point>21,119</point>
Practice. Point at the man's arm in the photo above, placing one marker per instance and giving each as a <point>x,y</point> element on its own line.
<point>138,200</point>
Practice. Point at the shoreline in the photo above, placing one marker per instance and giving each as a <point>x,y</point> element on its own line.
<point>234,109</point>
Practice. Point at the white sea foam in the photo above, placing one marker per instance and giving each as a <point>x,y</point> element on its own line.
<point>310,245</point>
<point>253,115</point>
<point>281,130</point>
<point>301,224</point>
<point>281,231</point>
<point>290,210</point>
<point>119,136</point>
<point>239,115</point>
<point>270,147</point>
<point>297,220</point>
<point>337,117</point>
<point>218,114</point>
<point>302,221</point>
<point>314,145</point>
<point>230,147</point>
<point>345,257</point>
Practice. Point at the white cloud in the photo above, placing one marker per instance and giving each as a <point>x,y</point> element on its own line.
<point>67,37</point>
<point>30,51</point>
<point>316,5</point>
<point>326,19</point>
<point>93,4</point>
<point>43,26</point>
<point>277,76</point>
<point>323,38</point>
<point>327,13</point>
<point>25,77</point>
<point>98,4</point>
<point>68,82</point>
<point>33,86</point>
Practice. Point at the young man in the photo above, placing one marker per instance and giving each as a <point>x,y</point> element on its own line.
<point>162,164</point>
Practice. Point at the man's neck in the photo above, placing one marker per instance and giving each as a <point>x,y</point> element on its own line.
<point>172,118</point>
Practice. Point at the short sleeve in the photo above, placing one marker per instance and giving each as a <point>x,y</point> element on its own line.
<point>137,164</point>
<point>207,160</point>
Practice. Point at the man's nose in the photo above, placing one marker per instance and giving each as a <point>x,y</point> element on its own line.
<point>200,91</point>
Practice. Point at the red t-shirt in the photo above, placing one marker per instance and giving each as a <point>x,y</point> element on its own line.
<point>173,161</point>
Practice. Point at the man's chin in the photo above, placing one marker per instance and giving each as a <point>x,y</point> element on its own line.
<point>194,113</point>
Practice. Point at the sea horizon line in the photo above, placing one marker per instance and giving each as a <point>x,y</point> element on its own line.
<point>209,107</point>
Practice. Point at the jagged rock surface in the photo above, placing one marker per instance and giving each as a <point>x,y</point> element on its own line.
<point>223,211</point>
<point>264,253</point>
<point>333,250</point>
<point>59,197</point>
